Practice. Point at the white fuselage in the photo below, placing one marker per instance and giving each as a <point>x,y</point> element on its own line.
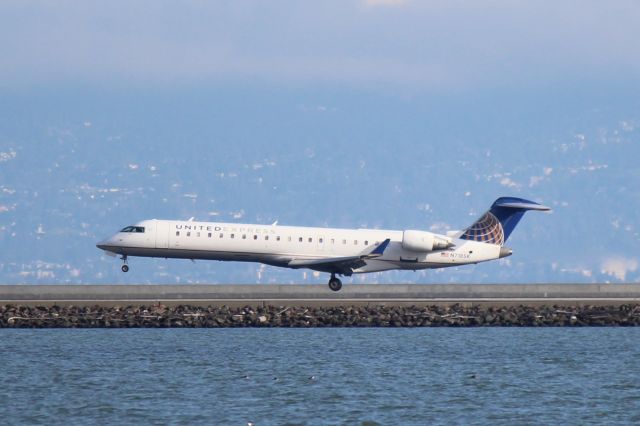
<point>279,245</point>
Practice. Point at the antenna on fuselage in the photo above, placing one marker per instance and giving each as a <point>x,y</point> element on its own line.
<point>191,219</point>
<point>274,223</point>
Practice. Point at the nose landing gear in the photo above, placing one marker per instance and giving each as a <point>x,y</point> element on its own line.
<point>334,283</point>
<point>125,267</point>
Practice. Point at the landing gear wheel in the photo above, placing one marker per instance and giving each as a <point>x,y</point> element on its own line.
<point>335,284</point>
<point>125,267</point>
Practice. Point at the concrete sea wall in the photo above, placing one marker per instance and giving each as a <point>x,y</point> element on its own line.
<point>316,306</point>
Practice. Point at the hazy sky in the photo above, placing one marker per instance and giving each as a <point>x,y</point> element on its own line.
<point>383,45</point>
<point>345,113</point>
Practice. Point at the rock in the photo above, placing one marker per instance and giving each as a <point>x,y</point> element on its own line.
<point>347,316</point>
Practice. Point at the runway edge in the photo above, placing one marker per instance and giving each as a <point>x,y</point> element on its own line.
<point>321,295</point>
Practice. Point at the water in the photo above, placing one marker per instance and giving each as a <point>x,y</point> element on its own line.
<point>321,376</point>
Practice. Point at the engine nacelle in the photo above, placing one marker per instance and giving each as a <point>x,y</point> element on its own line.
<point>424,241</point>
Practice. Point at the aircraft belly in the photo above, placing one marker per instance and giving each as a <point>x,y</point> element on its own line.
<point>375,266</point>
<point>182,253</point>
<point>468,252</point>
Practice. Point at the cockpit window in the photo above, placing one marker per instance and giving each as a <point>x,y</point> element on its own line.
<point>138,229</point>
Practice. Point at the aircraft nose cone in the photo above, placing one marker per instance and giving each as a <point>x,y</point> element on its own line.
<point>102,245</point>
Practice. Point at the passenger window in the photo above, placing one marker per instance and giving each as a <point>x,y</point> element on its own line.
<point>232,235</point>
<point>310,239</point>
<point>289,239</point>
<point>177,233</point>
<point>255,237</point>
<point>344,241</point>
<point>197,234</point>
<point>355,242</point>
<point>266,238</point>
<point>320,240</point>
<point>333,241</point>
<point>300,239</point>
<point>221,235</point>
<point>209,234</point>
<point>366,243</point>
<point>189,234</point>
<point>278,238</point>
<point>244,236</point>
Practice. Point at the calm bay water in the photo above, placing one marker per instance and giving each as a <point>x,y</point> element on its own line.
<point>321,376</point>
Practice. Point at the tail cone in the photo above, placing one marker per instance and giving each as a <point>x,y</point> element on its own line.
<point>505,252</point>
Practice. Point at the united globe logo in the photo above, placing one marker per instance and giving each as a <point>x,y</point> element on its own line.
<point>487,229</point>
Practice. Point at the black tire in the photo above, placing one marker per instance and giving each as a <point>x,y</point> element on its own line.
<point>335,284</point>
<point>125,268</point>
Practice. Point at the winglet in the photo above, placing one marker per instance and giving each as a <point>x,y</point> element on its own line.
<point>378,251</point>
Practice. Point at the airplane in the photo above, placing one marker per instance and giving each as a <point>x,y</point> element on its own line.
<point>339,252</point>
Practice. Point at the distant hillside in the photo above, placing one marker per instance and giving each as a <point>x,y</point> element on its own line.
<point>76,168</point>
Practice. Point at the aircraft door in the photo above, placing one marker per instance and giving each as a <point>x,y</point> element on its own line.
<point>149,234</point>
<point>162,234</point>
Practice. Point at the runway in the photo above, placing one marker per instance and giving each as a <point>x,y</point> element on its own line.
<point>485,295</point>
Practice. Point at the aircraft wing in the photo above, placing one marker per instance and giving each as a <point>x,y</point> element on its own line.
<point>340,265</point>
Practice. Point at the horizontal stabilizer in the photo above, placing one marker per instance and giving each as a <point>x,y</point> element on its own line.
<point>520,204</point>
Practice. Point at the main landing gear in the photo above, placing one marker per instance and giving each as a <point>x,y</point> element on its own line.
<point>125,267</point>
<point>334,283</point>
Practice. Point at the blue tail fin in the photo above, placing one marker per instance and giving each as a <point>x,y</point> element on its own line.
<point>496,225</point>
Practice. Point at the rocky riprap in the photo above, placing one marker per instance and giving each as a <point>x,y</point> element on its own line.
<point>348,316</point>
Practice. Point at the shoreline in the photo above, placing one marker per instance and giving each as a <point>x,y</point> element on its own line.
<point>357,305</point>
<point>161,316</point>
